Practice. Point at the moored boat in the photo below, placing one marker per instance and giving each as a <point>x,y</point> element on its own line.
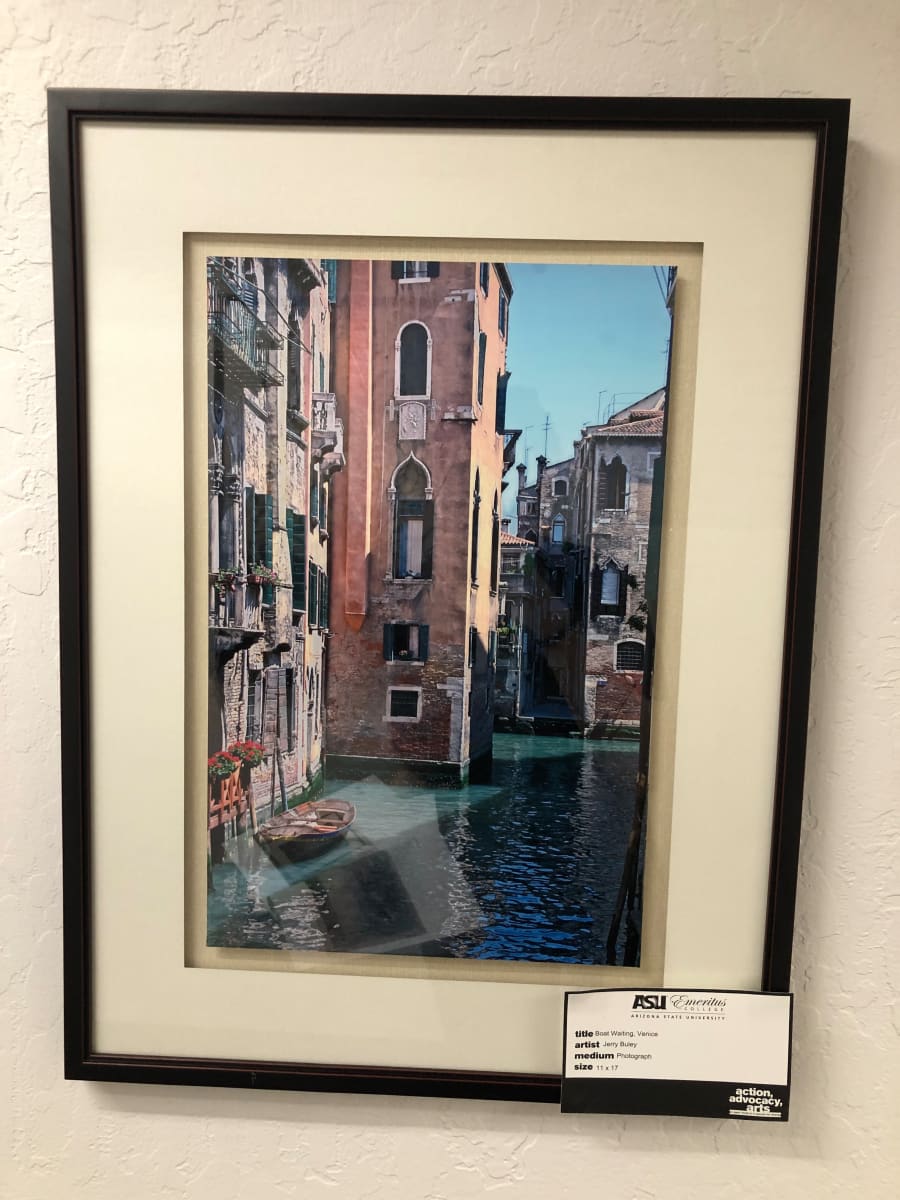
<point>307,830</point>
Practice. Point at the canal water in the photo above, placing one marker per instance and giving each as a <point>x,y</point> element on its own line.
<point>526,867</point>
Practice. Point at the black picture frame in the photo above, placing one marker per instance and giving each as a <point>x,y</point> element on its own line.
<point>68,113</point>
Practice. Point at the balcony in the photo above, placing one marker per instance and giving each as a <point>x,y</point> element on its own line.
<point>510,437</point>
<point>517,583</point>
<point>327,432</point>
<point>235,614</point>
<point>507,641</point>
<point>243,341</point>
<point>306,273</point>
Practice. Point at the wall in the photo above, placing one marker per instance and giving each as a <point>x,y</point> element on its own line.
<point>112,1141</point>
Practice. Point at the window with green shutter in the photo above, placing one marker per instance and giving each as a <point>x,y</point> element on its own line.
<point>263,514</point>
<point>404,641</point>
<point>329,266</point>
<point>323,600</point>
<point>249,527</point>
<point>313,595</point>
<point>314,500</point>
<point>296,531</point>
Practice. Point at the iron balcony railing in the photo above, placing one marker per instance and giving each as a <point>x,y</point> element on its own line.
<point>237,328</point>
<point>510,437</point>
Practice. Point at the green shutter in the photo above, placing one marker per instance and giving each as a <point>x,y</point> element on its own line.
<point>329,265</point>
<point>263,536</point>
<point>427,539</point>
<point>263,531</point>
<point>297,540</point>
<point>387,645</point>
<point>396,270</point>
<point>249,527</point>
<point>482,352</point>
<point>314,500</point>
<point>323,600</point>
<point>313,594</point>
<point>433,269</point>
<point>423,643</point>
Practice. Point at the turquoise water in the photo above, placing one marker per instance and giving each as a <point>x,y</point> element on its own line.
<point>526,867</point>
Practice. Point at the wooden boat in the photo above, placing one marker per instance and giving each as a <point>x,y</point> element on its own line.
<point>307,830</point>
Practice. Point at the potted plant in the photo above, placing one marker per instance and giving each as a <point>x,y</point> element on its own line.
<point>249,754</point>
<point>221,765</point>
<point>260,574</point>
<point>226,581</point>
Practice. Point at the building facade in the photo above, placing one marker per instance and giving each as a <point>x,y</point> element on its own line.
<point>591,521</point>
<point>514,644</point>
<point>275,442</point>
<point>617,496</point>
<point>415,518</point>
<point>547,517</point>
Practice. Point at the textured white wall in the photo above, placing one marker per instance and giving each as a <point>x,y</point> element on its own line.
<point>74,1139</point>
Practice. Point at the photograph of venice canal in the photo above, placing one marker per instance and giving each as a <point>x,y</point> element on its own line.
<point>435,494</point>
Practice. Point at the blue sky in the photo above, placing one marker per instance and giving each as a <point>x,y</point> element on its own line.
<point>576,331</point>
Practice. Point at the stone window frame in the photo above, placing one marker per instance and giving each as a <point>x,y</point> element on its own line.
<point>403,687</point>
<point>408,658</point>
<point>597,610</point>
<point>417,276</point>
<point>606,468</point>
<point>559,522</point>
<point>392,514</point>
<point>564,484</point>
<point>629,641</point>
<point>429,345</point>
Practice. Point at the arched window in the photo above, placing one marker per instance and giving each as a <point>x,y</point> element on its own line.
<point>413,368</point>
<point>560,487</point>
<point>609,584</point>
<point>630,656</point>
<point>476,512</point>
<point>495,545</point>
<point>613,484</point>
<point>558,531</point>
<point>414,524</point>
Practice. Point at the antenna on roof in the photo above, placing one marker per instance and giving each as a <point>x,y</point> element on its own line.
<point>546,432</point>
<point>599,394</point>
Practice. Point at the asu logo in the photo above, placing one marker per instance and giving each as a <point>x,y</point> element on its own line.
<point>657,1002</point>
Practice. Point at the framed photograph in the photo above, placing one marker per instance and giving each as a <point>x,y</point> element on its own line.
<point>435,633</point>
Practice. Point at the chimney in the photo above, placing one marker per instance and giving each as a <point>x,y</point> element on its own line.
<point>504,524</point>
<point>521,468</point>
<point>541,463</point>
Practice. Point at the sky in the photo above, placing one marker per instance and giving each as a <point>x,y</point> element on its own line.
<point>583,340</point>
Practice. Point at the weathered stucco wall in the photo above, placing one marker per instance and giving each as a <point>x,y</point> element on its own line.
<point>65,1140</point>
